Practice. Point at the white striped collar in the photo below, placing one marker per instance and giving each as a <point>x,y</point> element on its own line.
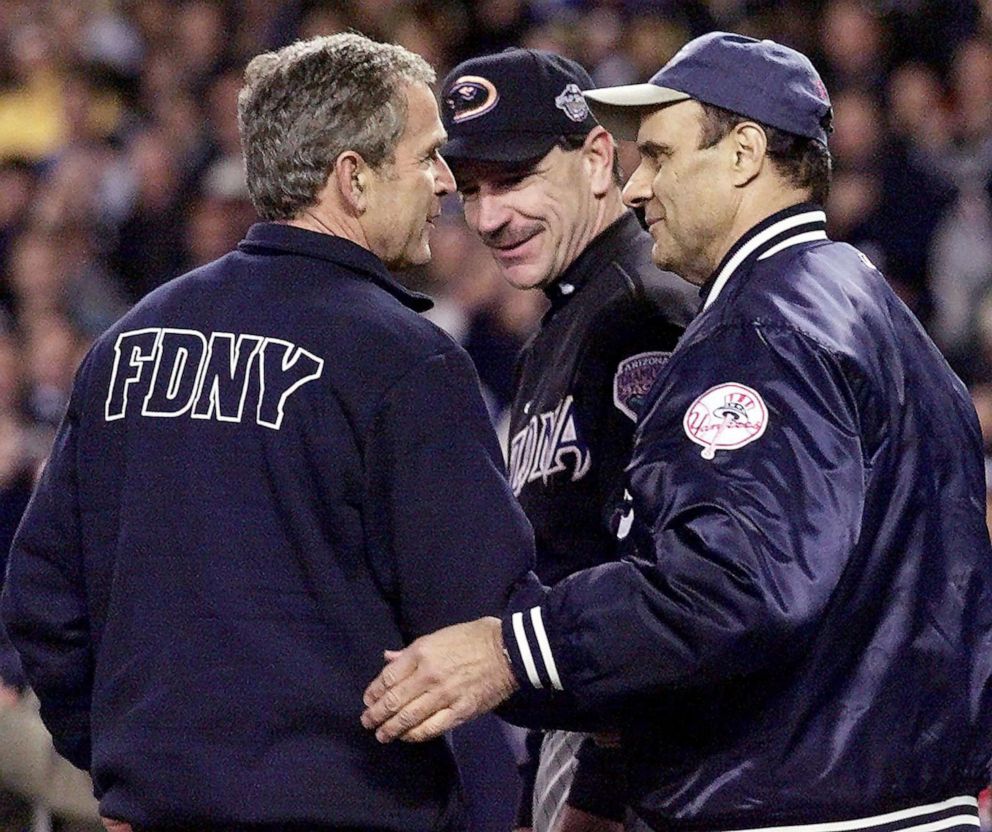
<point>799,224</point>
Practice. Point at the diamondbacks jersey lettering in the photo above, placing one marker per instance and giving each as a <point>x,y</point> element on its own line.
<point>550,444</point>
<point>177,372</point>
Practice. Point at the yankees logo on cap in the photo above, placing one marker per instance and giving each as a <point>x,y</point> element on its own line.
<point>725,417</point>
<point>470,97</point>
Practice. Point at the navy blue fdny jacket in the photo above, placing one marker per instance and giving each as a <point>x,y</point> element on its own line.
<point>802,630</point>
<point>270,469</point>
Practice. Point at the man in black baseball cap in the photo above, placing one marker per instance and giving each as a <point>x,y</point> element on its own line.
<point>540,186</point>
<point>799,637</point>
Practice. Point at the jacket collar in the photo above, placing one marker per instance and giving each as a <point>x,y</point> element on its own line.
<point>613,239</point>
<point>277,236</point>
<point>801,223</point>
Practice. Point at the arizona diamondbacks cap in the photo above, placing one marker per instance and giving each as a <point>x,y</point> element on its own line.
<point>759,79</point>
<point>513,106</point>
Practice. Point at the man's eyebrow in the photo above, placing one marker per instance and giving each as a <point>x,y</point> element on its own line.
<point>653,149</point>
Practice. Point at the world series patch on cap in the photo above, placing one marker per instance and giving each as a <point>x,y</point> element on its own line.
<point>513,106</point>
<point>760,79</point>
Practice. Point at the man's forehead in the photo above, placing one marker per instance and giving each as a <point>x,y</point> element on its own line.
<point>476,170</point>
<point>670,124</point>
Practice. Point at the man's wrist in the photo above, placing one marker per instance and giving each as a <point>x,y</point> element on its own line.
<point>508,677</point>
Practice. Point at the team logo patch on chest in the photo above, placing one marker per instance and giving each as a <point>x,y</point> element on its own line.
<point>633,379</point>
<point>549,444</point>
<point>725,417</point>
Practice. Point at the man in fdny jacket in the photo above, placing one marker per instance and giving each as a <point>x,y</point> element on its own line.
<point>801,635</point>
<point>540,185</point>
<point>269,469</point>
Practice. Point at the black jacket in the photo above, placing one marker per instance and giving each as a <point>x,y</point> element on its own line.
<point>613,322</point>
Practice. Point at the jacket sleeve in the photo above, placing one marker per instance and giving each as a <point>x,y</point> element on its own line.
<point>457,539</point>
<point>748,483</point>
<point>44,603</point>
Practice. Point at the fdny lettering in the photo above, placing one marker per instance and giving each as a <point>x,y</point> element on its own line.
<point>177,372</point>
<point>549,442</point>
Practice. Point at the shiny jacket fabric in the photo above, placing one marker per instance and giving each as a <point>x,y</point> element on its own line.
<point>271,469</point>
<point>802,630</point>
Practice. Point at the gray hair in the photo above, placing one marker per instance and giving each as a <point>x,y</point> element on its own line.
<point>303,106</point>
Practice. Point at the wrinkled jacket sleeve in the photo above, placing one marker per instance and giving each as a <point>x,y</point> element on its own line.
<point>733,558</point>
<point>44,602</point>
<point>454,539</point>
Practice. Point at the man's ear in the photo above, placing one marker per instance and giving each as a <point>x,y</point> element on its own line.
<point>749,144</point>
<point>353,178</point>
<point>598,151</point>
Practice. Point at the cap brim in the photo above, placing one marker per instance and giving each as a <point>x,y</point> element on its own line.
<point>498,147</point>
<point>619,109</point>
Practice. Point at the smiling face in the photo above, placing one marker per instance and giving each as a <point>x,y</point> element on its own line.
<point>687,192</point>
<point>405,196</point>
<point>535,217</point>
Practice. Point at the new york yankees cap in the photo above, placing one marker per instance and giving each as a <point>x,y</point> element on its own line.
<point>759,79</point>
<point>513,106</point>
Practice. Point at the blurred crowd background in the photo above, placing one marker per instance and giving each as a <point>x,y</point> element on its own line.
<point>120,165</point>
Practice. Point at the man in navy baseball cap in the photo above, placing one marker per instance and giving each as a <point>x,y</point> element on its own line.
<point>731,130</point>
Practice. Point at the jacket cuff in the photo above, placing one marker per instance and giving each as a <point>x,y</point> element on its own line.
<point>526,642</point>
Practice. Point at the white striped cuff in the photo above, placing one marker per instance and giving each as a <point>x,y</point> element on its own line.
<point>535,649</point>
<point>954,813</point>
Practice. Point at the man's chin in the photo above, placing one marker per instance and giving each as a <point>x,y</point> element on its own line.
<point>522,275</point>
<point>412,259</point>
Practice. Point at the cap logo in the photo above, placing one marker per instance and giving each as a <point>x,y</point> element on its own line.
<point>571,102</point>
<point>470,97</point>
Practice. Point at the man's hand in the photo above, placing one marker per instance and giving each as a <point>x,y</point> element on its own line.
<point>575,820</point>
<point>440,681</point>
<point>116,825</point>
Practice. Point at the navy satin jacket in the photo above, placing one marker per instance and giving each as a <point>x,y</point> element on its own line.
<point>802,628</point>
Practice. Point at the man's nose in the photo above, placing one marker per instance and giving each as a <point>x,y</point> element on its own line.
<point>444,182</point>
<point>491,214</point>
<point>637,191</point>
